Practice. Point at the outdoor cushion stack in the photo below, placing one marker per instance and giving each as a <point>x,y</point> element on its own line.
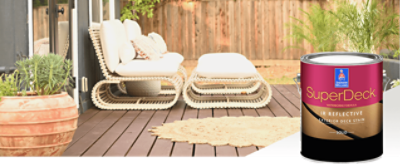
<point>142,58</point>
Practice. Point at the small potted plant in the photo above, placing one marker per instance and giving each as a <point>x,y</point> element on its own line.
<point>43,120</point>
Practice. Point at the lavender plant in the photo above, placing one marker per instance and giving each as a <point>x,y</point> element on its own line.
<point>43,75</point>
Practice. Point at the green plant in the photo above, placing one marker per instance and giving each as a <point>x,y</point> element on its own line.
<point>38,3</point>
<point>395,83</point>
<point>365,28</point>
<point>45,75</point>
<point>396,54</point>
<point>140,6</point>
<point>9,84</point>
<point>319,29</point>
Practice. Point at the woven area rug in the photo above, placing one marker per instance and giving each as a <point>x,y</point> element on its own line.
<point>233,131</point>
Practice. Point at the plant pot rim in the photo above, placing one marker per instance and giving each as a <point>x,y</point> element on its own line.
<point>35,97</point>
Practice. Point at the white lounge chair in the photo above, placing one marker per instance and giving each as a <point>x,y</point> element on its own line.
<point>115,72</point>
<point>132,29</point>
<point>239,85</point>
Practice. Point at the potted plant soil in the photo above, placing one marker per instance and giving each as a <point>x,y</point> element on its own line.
<point>43,120</point>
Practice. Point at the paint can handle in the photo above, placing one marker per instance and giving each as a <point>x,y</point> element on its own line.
<point>297,79</point>
<point>385,78</point>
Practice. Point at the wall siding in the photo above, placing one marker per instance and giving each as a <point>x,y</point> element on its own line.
<point>13,31</point>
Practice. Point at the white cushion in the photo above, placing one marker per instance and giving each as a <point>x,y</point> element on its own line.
<point>173,56</point>
<point>132,29</point>
<point>112,36</point>
<point>126,53</point>
<point>109,45</point>
<point>145,47</point>
<point>214,66</point>
<point>159,41</point>
<point>146,68</point>
<point>221,57</point>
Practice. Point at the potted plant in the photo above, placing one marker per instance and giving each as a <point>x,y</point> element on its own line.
<point>43,120</point>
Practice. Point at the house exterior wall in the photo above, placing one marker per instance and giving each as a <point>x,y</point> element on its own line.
<point>13,31</point>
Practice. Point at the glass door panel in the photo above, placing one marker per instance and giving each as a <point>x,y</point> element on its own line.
<point>62,30</point>
<point>106,9</point>
<point>41,42</point>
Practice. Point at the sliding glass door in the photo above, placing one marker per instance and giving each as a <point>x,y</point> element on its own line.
<point>51,27</point>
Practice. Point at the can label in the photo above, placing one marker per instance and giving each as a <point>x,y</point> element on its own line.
<point>341,102</point>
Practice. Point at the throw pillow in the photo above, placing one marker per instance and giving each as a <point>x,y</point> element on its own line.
<point>126,53</point>
<point>144,47</point>
<point>159,42</point>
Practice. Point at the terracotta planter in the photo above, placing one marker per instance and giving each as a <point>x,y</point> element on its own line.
<point>37,125</point>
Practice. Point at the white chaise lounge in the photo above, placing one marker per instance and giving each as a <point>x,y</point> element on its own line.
<point>106,40</point>
<point>231,78</point>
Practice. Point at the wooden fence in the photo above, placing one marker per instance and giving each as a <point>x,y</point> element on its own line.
<point>254,28</point>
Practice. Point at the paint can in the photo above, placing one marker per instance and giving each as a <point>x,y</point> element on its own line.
<point>341,106</point>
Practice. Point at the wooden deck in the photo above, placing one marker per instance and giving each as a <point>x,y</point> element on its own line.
<point>125,133</point>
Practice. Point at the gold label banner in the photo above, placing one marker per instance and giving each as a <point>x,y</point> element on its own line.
<point>342,123</point>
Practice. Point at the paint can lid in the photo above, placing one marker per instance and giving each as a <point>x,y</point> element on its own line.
<point>341,58</point>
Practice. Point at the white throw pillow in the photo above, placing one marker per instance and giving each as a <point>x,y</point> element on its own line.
<point>126,53</point>
<point>132,29</point>
<point>109,45</point>
<point>144,47</point>
<point>159,41</point>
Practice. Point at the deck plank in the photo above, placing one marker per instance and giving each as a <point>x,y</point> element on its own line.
<point>93,135</point>
<point>204,150</point>
<point>184,149</point>
<point>145,142</point>
<point>128,138</point>
<point>293,90</point>
<point>286,105</point>
<point>223,151</point>
<point>234,112</point>
<point>277,109</point>
<point>288,95</point>
<point>88,125</point>
<point>106,141</point>
<point>163,147</point>
<point>87,115</point>
<point>265,111</point>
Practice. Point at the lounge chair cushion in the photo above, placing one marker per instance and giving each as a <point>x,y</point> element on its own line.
<point>112,36</point>
<point>159,42</point>
<point>173,57</point>
<point>225,66</point>
<point>145,48</point>
<point>126,53</point>
<point>132,29</point>
<point>146,68</point>
<point>220,57</point>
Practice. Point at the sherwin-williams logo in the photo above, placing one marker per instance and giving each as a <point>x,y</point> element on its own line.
<point>341,77</point>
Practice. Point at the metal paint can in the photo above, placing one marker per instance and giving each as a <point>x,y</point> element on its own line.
<point>342,113</point>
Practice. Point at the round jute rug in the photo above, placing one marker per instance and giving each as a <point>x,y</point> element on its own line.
<point>234,131</point>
